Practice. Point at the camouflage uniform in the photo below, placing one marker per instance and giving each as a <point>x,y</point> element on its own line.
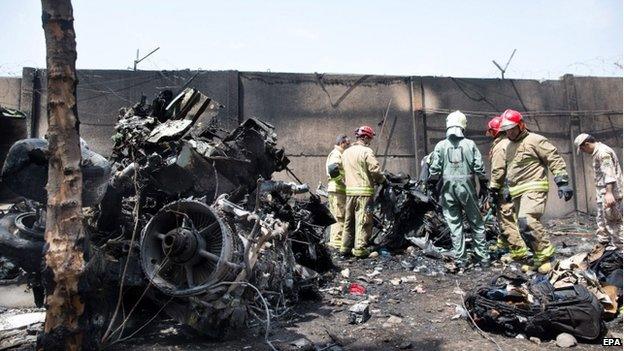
<point>336,196</point>
<point>362,171</point>
<point>607,170</point>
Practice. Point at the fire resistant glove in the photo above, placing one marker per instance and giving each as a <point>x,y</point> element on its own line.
<point>565,191</point>
<point>506,194</point>
<point>333,170</point>
<point>432,186</point>
<point>483,190</point>
<point>493,197</point>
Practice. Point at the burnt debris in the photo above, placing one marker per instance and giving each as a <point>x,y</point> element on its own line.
<point>183,217</point>
<point>406,214</point>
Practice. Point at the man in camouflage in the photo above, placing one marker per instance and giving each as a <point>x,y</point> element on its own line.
<point>608,179</point>
<point>509,238</point>
<point>528,157</point>
<point>336,191</point>
<point>362,172</point>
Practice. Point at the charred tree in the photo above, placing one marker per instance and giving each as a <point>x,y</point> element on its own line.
<point>64,233</point>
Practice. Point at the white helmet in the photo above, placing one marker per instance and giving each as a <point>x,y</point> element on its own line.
<point>456,119</point>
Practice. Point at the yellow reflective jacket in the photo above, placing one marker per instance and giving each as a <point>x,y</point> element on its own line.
<point>528,158</point>
<point>361,170</point>
<point>335,185</point>
<point>497,162</point>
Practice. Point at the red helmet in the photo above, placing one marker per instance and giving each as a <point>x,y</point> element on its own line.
<point>494,125</point>
<point>365,131</point>
<point>511,118</point>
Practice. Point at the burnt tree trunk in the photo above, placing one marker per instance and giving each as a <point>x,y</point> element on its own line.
<point>64,234</point>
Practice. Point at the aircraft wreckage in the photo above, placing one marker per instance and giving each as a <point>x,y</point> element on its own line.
<point>181,206</point>
<point>185,216</point>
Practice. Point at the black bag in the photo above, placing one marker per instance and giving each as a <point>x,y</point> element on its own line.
<point>572,310</point>
<point>608,269</point>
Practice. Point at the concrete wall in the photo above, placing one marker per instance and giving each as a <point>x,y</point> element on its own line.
<point>309,110</point>
<point>599,95</point>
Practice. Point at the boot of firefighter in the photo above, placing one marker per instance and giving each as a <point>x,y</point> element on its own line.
<point>360,252</point>
<point>528,265</point>
<point>516,254</point>
<point>544,259</point>
<point>539,266</point>
<point>545,266</point>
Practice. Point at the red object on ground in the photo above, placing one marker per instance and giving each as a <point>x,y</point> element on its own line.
<point>357,289</point>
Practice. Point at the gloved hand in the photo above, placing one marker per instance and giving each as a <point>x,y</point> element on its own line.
<point>506,194</point>
<point>333,170</point>
<point>384,178</point>
<point>565,191</point>
<point>493,197</point>
<point>432,186</point>
<point>483,190</point>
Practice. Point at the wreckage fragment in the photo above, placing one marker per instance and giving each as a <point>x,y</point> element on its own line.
<point>405,213</point>
<point>25,171</point>
<point>186,248</point>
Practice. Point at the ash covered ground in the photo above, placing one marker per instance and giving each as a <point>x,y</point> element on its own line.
<point>410,308</point>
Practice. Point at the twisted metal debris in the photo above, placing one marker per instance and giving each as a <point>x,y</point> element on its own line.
<point>183,216</point>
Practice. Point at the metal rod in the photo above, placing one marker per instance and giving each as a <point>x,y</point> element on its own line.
<point>137,61</point>
<point>209,255</point>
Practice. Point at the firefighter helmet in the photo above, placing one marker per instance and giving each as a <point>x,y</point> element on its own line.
<point>494,125</point>
<point>365,131</point>
<point>511,118</point>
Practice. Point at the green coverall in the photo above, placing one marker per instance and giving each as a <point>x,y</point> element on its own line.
<point>457,161</point>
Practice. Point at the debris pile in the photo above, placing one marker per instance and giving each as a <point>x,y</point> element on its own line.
<point>575,298</point>
<point>183,214</point>
<point>516,305</point>
<point>406,214</point>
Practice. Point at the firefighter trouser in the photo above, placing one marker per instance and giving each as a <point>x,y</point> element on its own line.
<point>337,208</point>
<point>457,198</point>
<point>358,225</point>
<point>510,235</point>
<point>609,223</point>
<point>529,209</point>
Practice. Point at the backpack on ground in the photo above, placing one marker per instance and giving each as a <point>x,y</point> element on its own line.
<point>515,305</point>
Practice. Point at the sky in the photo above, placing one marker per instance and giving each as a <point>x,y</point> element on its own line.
<point>435,37</point>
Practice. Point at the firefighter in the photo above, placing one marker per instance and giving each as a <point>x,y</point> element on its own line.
<point>528,157</point>
<point>362,172</point>
<point>457,161</point>
<point>336,191</point>
<point>510,239</point>
<point>608,179</point>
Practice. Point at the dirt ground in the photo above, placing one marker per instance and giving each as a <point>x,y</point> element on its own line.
<point>422,309</point>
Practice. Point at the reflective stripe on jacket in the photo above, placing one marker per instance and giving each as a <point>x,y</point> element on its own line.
<point>335,185</point>
<point>528,159</point>
<point>361,170</point>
